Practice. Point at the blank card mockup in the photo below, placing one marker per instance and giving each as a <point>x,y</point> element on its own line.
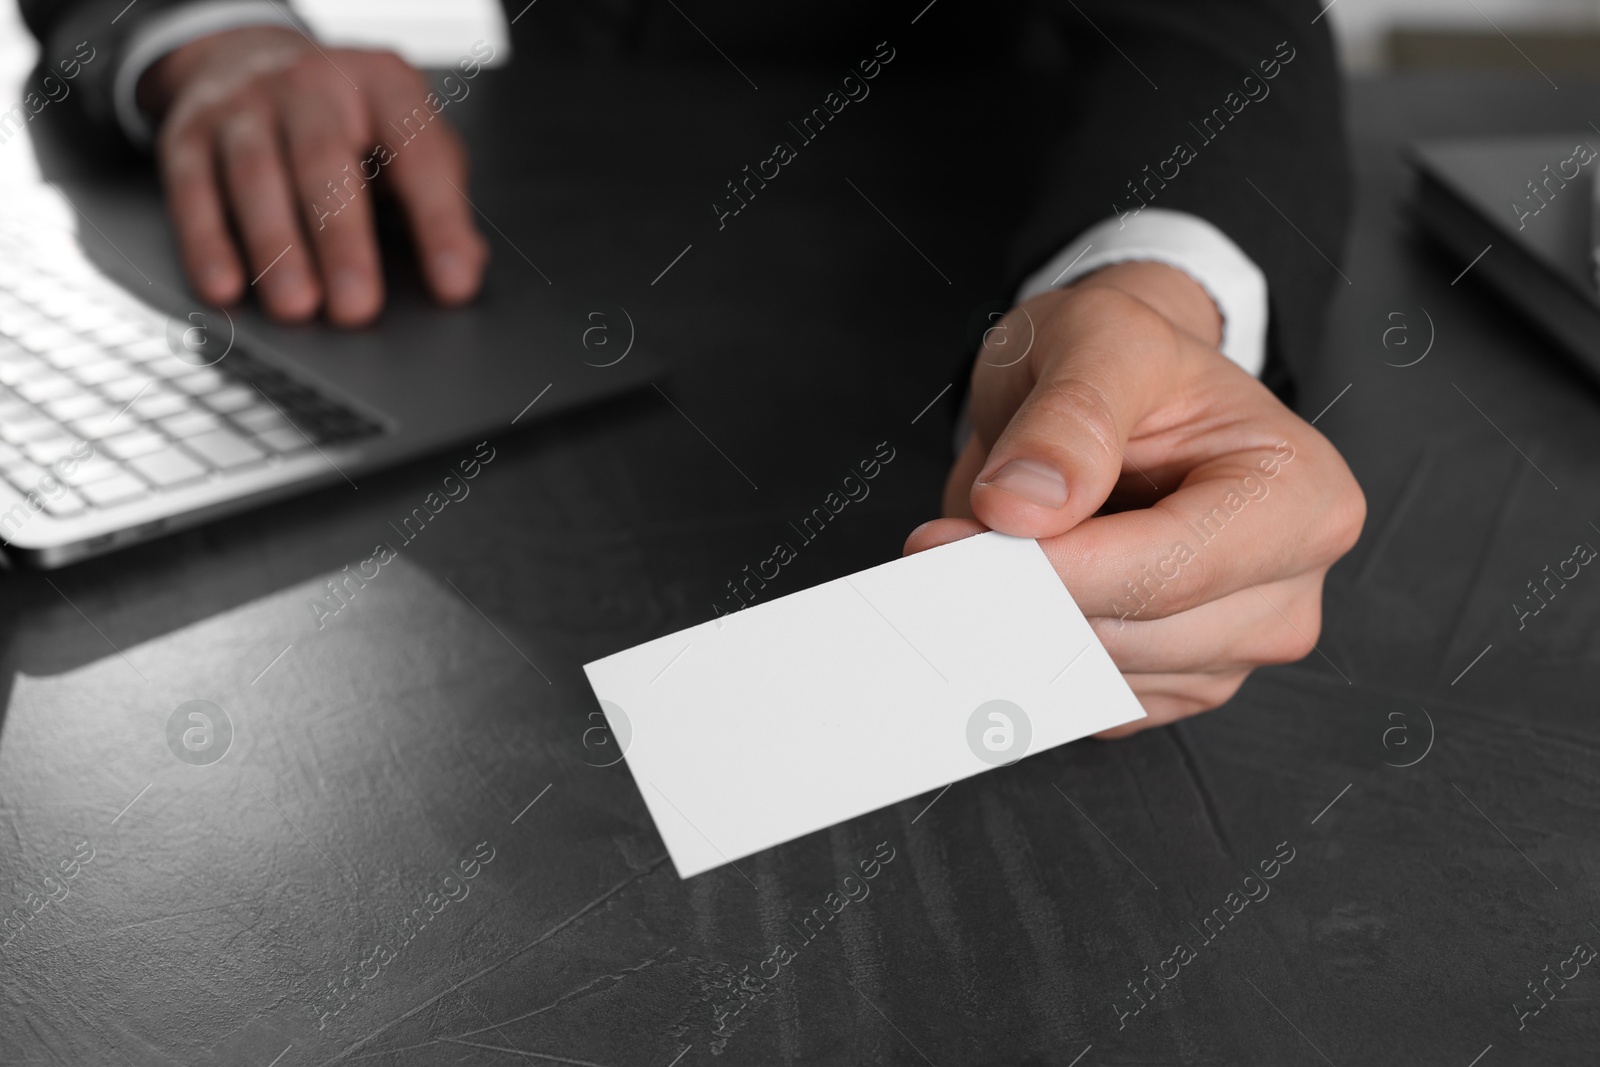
<point>793,715</point>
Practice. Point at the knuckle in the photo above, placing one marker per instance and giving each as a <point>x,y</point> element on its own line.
<point>1082,402</point>
<point>1342,518</point>
<point>1349,516</point>
<point>394,66</point>
<point>319,154</point>
<point>307,71</point>
<point>1221,688</point>
<point>1294,641</point>
<point>190,115</point>
<point>1343,507</point>
<point>181,139</point>
<point>1135,322</point>
<point>1195,582</point>
<point>1104,299</point>
<point>1191,695</point>
<point>1175,582</point>
<point>245,134</point>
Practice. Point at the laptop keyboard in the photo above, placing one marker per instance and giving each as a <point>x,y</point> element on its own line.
<point>83,362</point>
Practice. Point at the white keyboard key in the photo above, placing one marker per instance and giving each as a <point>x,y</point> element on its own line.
<point>105,371</point>
<point>261,418</point>
<point>167,467</point>
<point>117,490</point>
<point>26,320</point>
<point>80,406</point>
<point>120,333</point>
<point>59,307</point>
<point>20,432</point>
<point>22,475</point>
<point>14,372</point>
<point>138,443</point>
<point>106,425</point>
<point>64,504</point>
<point>37,288</point>
<point>230,398</point>
<point>189,423</point>
<point>146,349</point>
<point>74,356</point>
<point>46,338</point>
<point>223,449</point>
<point>158,405</point>
<point>171,368</point>
<point>85,317</point>
<point>48,387</point>
<point>200,382</point>
<point>134,383</point>
<point>94,469</point>
<point>283,439</point>
<point>46,451</point>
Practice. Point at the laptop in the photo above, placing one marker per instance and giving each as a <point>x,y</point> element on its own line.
<point>1518,211</point>
<point>128,411</point>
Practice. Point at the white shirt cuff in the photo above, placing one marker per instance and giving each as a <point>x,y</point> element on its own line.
<point>162,33</point>
<point>1188,243</point>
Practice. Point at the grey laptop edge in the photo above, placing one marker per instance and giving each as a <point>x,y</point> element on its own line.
<point>128,411</point>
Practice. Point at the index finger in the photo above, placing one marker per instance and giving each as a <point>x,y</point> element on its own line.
<point>1261,514</point>
<point>428,175</point>
<point>321,132</point>
<point>189,167</point>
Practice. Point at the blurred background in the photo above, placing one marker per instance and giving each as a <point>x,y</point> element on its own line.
<point>1374,35</point>
<point>1398,35</point>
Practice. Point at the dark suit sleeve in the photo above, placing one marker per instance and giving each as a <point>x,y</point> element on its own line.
<point>70,30</point>
<point>1226,109</point>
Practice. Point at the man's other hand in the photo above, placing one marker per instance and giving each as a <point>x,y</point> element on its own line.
<point>1191,515</point>
<point>265,136</point>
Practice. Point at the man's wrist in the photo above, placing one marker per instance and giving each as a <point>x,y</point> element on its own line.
<point>160,82</point>
<point>163,31</point>
<point>1188,243</point>
<point>1173,294</point>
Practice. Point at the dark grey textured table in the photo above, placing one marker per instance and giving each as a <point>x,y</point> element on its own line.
<point>408,854</point>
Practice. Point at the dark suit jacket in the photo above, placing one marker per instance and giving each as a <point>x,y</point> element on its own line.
<point>1182,104</point>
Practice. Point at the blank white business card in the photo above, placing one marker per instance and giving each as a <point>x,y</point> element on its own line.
<point>790,716</point>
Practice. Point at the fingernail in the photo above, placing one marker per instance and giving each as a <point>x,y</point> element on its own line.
<point>452,274</point>
<point>291,294</point>
<point>215,278</point>
<point>347,285</point>
<point>1031,480</point>
<point>449,266</point>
